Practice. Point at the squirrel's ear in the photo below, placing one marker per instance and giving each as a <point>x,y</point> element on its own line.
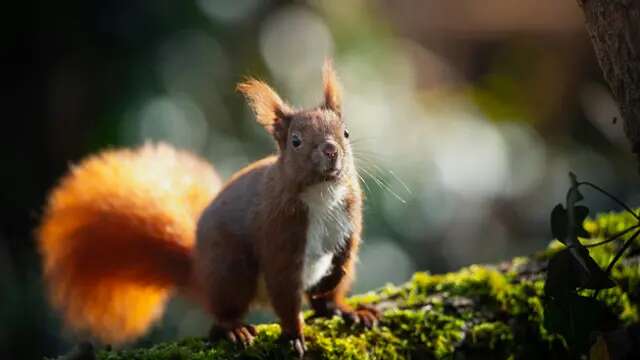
<point>332,90</point>
<point>265,102</point>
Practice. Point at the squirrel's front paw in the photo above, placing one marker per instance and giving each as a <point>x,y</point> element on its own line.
<point>365,315</point>
<point>296,342</point>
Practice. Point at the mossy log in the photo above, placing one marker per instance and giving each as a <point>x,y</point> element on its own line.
<point>478,312</point>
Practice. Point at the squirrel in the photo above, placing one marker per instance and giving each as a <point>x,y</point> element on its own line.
<point>126,228</point>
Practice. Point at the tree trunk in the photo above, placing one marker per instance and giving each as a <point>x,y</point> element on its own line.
<point>614,29</point>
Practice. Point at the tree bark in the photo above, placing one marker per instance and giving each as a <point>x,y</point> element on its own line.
<point>614,29</point>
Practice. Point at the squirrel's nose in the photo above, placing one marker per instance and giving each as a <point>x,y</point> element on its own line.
<point>330,150</point>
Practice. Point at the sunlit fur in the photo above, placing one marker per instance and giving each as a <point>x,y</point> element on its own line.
<point>332,90</point>
<point>265,102</point>
<point>116,237</point>
<point>118,232</point>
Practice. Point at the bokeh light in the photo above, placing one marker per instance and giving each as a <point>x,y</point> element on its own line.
<point>175,120</point>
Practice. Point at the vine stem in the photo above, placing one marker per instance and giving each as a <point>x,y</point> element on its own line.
<point>618,255</point>
<point>619,234</point>
<point>622,250</point>
<point>618,201</point>
<point>572,240</point>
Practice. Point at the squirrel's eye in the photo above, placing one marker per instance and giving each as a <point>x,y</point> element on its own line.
<point>296,141</point>
<point>346,133</point>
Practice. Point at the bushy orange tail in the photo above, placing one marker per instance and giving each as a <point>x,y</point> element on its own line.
<point>117,234</point>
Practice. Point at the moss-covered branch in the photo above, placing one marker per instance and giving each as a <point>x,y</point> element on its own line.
<point>479,312</point>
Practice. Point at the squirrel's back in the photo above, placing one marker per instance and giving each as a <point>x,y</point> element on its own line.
<point>116,237</point>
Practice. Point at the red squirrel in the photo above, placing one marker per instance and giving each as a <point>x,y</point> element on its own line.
<point>126,227</point>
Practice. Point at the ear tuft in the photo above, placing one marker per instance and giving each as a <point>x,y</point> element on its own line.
<point>264,102</point>
<point>332,89</point>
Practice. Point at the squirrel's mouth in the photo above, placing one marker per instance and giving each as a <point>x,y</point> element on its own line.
<point>332,174</point>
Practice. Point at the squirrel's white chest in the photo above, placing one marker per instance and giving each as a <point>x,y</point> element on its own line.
<point>328,227</point>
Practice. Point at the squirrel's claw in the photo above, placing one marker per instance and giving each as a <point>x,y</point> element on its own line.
<point>365,315</point>
<point>241,335</point>
<point>297,344</point>
<point>299,347</point>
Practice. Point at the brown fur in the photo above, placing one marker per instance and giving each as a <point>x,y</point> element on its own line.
<point>115,242</point>
<point>332,91</point>
<point>257,226</point>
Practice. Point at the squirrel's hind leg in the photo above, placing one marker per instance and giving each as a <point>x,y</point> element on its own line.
<point>229,308</point>
<point>232,288</point>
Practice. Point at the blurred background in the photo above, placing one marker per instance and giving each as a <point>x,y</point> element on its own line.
<point>466,117</point>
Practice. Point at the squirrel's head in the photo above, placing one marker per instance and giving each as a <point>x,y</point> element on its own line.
<point>314,144</point>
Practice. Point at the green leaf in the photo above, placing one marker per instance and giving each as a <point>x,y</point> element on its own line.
<point>559,223</point>
<point>595,277</point>
<point>570,269</point>
<point>562,278</point>
<point>575,318</point>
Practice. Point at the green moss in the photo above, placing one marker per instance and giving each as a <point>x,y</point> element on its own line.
<point>610,223</point>
<point>491,334</point>
<point>488,310</point>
